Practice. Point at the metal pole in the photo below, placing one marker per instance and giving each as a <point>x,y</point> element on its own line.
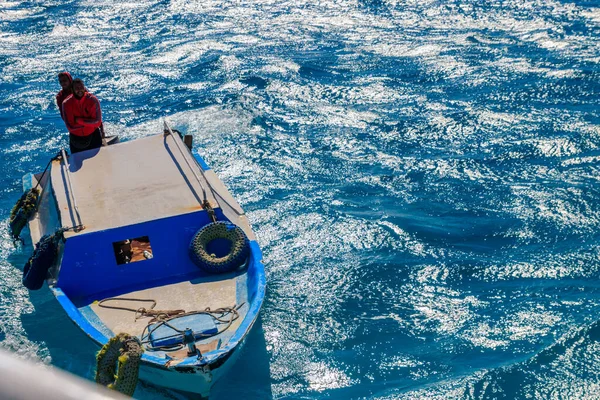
<point>213,191</point>
<point>71,191</point>
<point>168,128</point>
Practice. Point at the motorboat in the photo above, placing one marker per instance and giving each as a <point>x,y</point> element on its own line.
<point>149,243</point>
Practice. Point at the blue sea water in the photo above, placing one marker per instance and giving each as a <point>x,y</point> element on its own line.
<point>421,175</point>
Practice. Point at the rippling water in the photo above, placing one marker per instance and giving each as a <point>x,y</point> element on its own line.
<point>422,177</point>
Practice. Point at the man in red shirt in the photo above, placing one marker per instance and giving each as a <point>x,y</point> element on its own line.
<point>65,80</point>
<point>83,118</point>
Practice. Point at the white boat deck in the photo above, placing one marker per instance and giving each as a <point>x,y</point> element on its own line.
<point>137,181</point>
<point>188,296</point>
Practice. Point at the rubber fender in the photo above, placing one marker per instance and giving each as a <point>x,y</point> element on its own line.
<point>118,363</point>
<point>43,257</point>
<point>25,207</point>
<point>219,247</point>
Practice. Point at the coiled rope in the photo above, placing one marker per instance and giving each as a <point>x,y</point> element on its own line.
<point>219,315</point>
<point>223,315</point>
<point>141,312</point>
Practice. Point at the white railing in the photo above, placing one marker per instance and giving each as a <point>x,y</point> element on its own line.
<point>22,380</point>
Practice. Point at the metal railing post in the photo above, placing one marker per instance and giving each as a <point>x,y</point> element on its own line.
<point>71,191</point>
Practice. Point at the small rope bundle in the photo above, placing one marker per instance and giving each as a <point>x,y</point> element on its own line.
<point>141,312</point>
<point>223,315</point>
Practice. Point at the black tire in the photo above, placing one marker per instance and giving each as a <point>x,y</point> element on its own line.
<point>210,252</point>
<point>17,224</point>
<point>36,268</point>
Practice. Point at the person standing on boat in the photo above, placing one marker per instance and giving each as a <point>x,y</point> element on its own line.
<point>83,118</point>
<point>65,80</point>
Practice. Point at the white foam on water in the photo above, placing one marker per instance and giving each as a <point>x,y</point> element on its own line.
<point>483,335</point>
<point>564,208</point>
<point>316,245</point>
<point>593,14</point>
<point>531,324</point>
<point>440,309</point>
<point>281,66</point>
<point>15,302</point>
<point>11,15</point>
<point>556,147</point>
<point>322,377</point>
<point>186,52</point>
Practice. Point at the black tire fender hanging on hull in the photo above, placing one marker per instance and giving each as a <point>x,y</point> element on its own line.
<point>219,247</point>
<point>43,257</point>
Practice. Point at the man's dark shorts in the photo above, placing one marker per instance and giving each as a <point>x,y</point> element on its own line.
<point>82,143</point>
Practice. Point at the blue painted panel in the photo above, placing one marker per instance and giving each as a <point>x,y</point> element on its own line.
<point>27,181</point>
<point>88,314</point>
<point>77,318</point>
<point>163,334</point>
<point>256,271</point>
<point>256,284</point>
<point>200,160</point>
<point>84,324</point>
<point>89,269</point>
